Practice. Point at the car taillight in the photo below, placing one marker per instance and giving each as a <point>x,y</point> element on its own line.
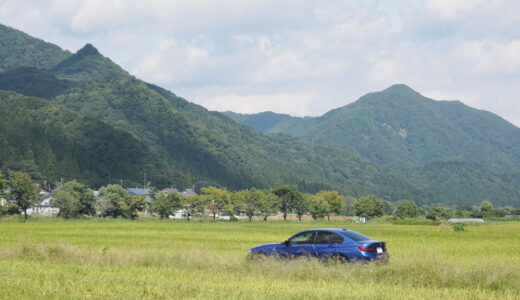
<point>366,249</point>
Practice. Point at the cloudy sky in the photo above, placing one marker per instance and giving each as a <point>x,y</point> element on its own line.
<point>297,57</point>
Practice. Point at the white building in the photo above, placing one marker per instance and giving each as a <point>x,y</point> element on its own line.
<point>45,206</point>
<point>180,214</point>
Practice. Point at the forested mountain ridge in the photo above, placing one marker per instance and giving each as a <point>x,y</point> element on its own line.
<point>463,183</point>
<point>399,128</point>
<point>211,146</point>
<point>51,142</point>
<point>18,49</point>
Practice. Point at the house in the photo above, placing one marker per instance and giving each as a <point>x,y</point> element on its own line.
<point>139,192</point>
<point>180,214</point>
<point>45,206</point>
<point>188,193</point>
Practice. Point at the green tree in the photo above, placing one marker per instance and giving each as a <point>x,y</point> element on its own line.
<point>318,206</point>
<point>218,200</point>
<point>268,205</point>
<point>115,201</point>
<point>192,204</point>
<point>369,207</point>
<point>250,201</point>
<point>136,204</point>
<point>439,212</point>
<point>336,202</point>
<point>75,200</point>
<point>299,205</point>
<point>4,184</point>
<point>486,209</point>
<point>166,204</point>
<point>24,192</point>
<point>286,195</point>
<point>407,209</point>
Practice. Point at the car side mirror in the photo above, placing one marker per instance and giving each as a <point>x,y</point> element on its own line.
<point>286,243</point>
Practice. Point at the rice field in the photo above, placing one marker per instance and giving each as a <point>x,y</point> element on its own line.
<point>152,259</point>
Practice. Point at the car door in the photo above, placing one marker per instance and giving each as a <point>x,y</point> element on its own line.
<point>326,243</point>
<point>300,244</point>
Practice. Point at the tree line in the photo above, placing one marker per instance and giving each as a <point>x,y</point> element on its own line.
<point>77,200</point>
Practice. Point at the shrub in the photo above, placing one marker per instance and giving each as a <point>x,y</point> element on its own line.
<point>458,226</point>
<point>9,209</point>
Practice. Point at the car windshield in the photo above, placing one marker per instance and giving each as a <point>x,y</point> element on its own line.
<point>355,236</point>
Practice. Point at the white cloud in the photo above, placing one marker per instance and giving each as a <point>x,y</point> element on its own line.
<point>299,57</point>
<point>491,56</point>
<point>453,9</point>
<point>173,62</point>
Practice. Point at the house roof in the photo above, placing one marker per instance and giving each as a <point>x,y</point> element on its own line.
<point>138,191</point>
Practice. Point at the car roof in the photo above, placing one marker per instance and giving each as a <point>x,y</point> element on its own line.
<point>335,230</point>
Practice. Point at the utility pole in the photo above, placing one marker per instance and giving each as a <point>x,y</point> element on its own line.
<point>121,182</point>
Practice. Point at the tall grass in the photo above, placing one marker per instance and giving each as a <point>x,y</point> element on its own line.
<point>179,259</point>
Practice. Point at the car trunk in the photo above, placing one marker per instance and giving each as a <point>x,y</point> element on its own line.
<point>372,246</point>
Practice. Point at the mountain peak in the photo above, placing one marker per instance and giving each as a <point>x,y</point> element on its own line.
<point>88,49</point>
<point>400,87</point>
<point>87,64</point>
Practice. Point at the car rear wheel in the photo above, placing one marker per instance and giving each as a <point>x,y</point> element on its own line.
<point>339,259</point>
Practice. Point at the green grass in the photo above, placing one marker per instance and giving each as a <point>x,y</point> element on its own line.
<point>59,259</point>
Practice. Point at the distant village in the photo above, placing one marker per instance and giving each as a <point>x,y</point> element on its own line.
<point>45,206</point>
<point>72,199</point>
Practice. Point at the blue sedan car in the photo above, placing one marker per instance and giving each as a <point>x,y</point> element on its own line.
<point>327,243</point>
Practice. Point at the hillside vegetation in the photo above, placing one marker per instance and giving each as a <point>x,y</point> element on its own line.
<point>51,142</point>
<point>18,49</point>
<point>399,128</point>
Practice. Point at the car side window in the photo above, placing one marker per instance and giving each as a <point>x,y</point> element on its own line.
<point>328,238</point>
<point>302,238</point>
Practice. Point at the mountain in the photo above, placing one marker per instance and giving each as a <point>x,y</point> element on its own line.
<point>51,142</point>
<point>212,147</point>
<point>207,146</point>
<point>18,49</point>
<point>399,128</point>
<point>98,120</point>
